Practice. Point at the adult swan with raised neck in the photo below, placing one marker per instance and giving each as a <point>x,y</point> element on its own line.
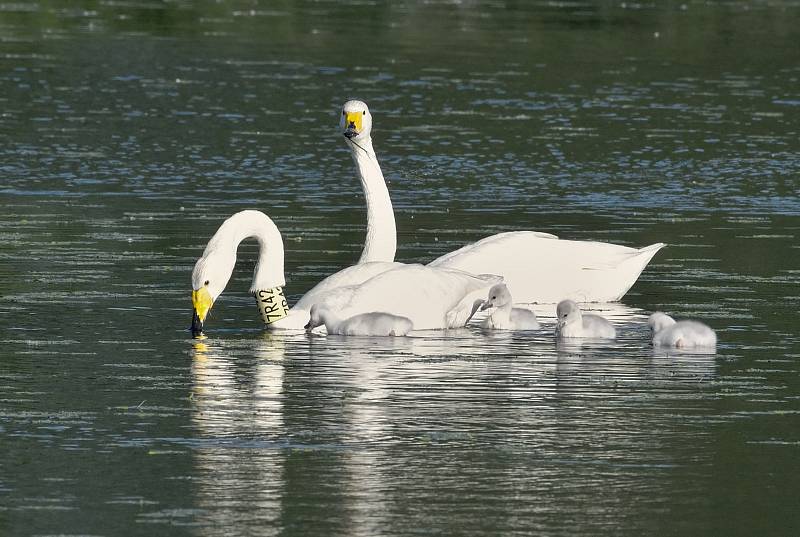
<point>537,267</point>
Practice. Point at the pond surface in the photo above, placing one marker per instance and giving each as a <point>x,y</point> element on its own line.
<point>130,130</point>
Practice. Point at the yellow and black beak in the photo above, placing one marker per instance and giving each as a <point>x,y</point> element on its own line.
<point>202,302</point>
<point>353,124</point>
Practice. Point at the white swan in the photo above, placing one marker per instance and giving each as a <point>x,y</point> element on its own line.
<point>537,267</point>
<point>431,298</point>
<point>214,268</point>
<point>681,334</point>
<point>364,324</point>
<point>505,316</point>
<point>572,323</point>
<point>380,243</point>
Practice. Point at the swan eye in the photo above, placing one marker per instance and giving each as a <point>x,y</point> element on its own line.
<point>344,113</point>
<point>494,298</point>
<point>206,282</point>
<point>363,112</point>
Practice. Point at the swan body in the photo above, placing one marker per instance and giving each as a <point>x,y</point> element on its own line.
<point>680,334</point>
<point>363,324</point>
<point>505,316</point>
<point>431,298</point>
<point>537,267</point>
<point>572,323</point>
<point>214,268</point>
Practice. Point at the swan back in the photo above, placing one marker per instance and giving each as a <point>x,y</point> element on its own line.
<point>430,298</point>
<point>539,267</point>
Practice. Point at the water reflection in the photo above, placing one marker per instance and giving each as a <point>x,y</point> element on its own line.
<point>238,415</point>
<point>281,416</point>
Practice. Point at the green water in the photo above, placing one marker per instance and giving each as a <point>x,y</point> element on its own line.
<point>130,130</point>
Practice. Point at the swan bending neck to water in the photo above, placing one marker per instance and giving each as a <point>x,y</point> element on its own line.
<point>537,267</point>
<point>214,268</point>
<point>380,243</point>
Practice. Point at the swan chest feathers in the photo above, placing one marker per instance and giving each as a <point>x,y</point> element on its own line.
<point>431,298</point>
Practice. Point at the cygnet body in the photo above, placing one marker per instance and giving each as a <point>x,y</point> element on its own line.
<point>572,323</point>
<point>680,334</point>
<point>364,324</point>
<point>505,316</point>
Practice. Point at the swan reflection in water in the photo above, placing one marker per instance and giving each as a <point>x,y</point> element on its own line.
<point>350,425</point>
<point>240,433</point>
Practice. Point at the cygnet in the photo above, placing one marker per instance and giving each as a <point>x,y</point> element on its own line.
<point>505,316</point>
<point>364,324</point>
<point>681,334</point>
<point>572,323</point>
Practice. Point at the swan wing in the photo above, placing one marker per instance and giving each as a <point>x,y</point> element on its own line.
<point>353,275</point>
<point>538,267</point>
<point>334,287</point>
<point>424,295</point>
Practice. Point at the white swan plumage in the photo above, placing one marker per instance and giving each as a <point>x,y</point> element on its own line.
<point>667,332</point>
<point>571,322</point>
<point>364,324</point>
<point>537,267</point>
<point>431,298</point>
<point>505,316</point>
<point>213,269</point>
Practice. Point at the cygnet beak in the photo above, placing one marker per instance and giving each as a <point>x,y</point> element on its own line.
<point>486,305</point>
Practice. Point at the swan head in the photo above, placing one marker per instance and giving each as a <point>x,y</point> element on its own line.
<point>209,278</point>
<point>659,321</point>
<point>499,296</point>
<point>355,121</point>
<point>567,312</point>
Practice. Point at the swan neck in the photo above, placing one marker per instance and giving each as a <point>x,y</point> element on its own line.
<point>254,224</point>
<point>381,240</point>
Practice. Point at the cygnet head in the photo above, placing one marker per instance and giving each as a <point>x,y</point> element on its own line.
<point>567,311</point>
<point>499,296</point>
<point>317,317</point>
<point>355,121</point>
<point>659,321</point>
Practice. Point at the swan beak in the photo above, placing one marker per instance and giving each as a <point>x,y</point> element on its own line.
<point>486,306</point>
<point>353,124</point>
<point>202,302</point>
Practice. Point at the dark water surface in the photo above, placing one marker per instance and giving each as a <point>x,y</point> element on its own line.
<point>129,130</point>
